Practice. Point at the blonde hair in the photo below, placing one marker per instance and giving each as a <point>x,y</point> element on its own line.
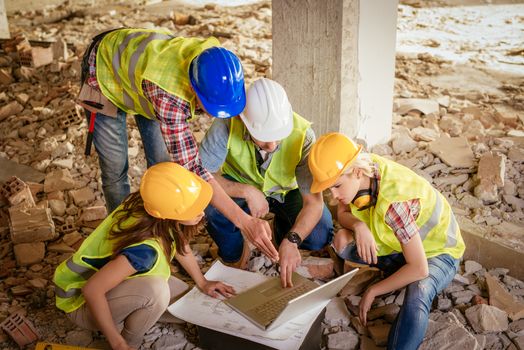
<point>364,163</point>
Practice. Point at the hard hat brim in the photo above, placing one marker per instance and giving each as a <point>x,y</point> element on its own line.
<point>268,135</point>
<point>319,186</point>
<point>222,111</point>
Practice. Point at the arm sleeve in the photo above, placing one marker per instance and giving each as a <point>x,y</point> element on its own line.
<point>401,217</point>
<point>213,149</point>
<point>142,257</point>
<point>304,178</point>
<point>173,112</point>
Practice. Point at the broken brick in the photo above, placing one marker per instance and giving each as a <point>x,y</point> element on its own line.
<point>82,196</point>
<point>10,109</point>
<point>20,329</point>
<point>71,116</point>
<point>492,168</point>
<point>71,238</point>
<point>316,268</point>
<point>16,191</point>
<point>29,253</point>
<point>67,228</point>
<point>59,180</point>
<point>93,213</point>
<point>31,225</point>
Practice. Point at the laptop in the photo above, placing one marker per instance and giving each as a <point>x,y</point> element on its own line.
<point>268,305</point>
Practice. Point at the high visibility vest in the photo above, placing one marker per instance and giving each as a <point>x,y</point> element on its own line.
<point>241,163</point>
<point>125,57</point>
<point>72,274</point>
<point>438,228</point>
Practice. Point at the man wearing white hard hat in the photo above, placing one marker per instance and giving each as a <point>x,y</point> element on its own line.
<point>262,156</point>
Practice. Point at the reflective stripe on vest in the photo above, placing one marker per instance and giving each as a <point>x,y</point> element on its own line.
<point>434,220</point>
<point>128,100</point>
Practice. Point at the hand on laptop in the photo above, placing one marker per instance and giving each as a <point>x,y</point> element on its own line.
<point>216,288</point>
<point>290,259</point>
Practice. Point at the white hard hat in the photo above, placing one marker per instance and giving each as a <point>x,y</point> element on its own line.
<point>268,115</point>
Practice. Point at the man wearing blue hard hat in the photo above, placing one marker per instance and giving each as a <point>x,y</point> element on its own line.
<point>161,79</point>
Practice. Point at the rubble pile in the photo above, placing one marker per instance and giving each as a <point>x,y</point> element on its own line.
<point>468,145</point>
<point>479,310</point>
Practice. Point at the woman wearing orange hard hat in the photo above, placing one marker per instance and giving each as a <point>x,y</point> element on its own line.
<point>119,281</point>
<point>392,219</point>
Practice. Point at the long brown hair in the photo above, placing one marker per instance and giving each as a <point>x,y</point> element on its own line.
<point>146,227</point>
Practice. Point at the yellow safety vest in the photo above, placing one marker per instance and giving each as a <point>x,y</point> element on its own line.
<point>241,163</point>
<point>125,57</point>
<point>438,228</point>
<point>72,274</point>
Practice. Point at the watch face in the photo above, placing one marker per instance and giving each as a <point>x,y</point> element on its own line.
<point>293,237</point>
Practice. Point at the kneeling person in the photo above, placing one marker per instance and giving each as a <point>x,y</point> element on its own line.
<point>119,281</point>
<point>395,220</point>
<point>262,155</point>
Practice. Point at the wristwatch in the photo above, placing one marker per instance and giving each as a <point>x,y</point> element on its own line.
<point>293,237</point>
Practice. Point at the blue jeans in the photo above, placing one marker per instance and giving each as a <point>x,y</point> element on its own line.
<point>110,140</point>
<point>409,328</point>
<point>230,241</point>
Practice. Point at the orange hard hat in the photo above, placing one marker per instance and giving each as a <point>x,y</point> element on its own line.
<point>330,156</point>
<point>170,191</point>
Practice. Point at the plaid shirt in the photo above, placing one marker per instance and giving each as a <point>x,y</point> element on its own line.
<point>402,216</point>
<point>172,112</point>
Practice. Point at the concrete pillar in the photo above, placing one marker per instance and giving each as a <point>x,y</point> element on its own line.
<point>4,26</point>
<point>336,60</point>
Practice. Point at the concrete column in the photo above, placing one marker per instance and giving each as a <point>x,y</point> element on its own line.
<point>336,61</point>
<point>4,26</point>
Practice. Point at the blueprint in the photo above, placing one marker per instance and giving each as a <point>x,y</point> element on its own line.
<point>200,309</point>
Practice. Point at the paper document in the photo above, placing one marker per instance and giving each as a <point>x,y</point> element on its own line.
<point>200,309</point>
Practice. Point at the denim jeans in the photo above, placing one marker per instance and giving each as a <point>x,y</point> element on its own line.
<point>409,328</point>
<point>230,241</point>
<point>110,140</point>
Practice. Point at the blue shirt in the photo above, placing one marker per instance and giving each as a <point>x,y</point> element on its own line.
<point>142,257</point>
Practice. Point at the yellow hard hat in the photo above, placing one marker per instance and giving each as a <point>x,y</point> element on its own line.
<point>170,191</point>
<point>330,156</point>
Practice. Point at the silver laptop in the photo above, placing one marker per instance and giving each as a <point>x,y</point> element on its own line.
<point>268,305</point>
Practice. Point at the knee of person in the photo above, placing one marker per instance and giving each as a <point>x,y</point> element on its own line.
<point>156,290</point>
<point>342,238</point>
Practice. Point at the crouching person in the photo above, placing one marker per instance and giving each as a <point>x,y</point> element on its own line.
<point>392,219</point>
<point>119,281</point>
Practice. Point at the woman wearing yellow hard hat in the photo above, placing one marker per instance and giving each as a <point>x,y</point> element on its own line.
<point>392,219</point>
<point>119,281</point>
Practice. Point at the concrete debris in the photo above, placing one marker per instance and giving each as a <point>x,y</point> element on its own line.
<point>409,104</point>
<point>337,313</point>
<point>316,268</point>
<point>487,319</point>
<point>446,332</point>
<point>345,340</point>
<point>503,300</point>
<point>454,151</point>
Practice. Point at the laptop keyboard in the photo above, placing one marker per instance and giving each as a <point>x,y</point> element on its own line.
<point>269,310</point>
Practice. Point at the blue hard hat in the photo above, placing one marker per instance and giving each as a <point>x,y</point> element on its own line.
<point>217,77</point>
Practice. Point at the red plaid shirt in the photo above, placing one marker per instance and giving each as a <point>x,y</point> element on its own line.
<point>172,112</point>
<point>402,216</point>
